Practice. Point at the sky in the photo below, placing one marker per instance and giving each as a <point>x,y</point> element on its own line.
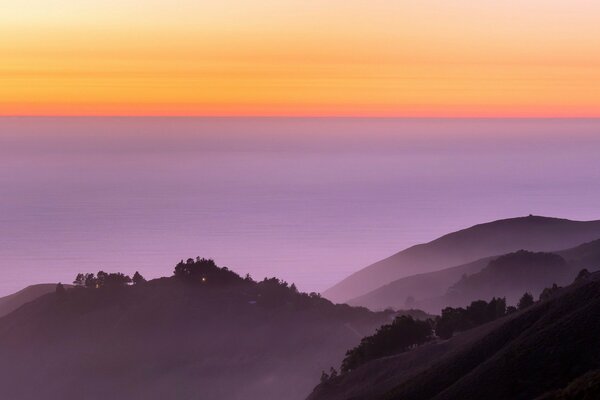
<point>427,58</point>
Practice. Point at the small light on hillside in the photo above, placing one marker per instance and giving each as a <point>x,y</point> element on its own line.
<point>203,279</point>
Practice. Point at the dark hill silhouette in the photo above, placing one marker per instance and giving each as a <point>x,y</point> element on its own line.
<point>429,291</point>
<point>510,276</point>
<point>533,233</point>
<point>205,333</point>
<point>417,287</point>
<point>550,351</point>
<point>13,301</point>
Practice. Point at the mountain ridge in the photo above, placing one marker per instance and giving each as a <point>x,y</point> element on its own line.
<point>534,233</point>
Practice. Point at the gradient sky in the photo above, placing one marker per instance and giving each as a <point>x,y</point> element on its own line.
<point>339,57</point>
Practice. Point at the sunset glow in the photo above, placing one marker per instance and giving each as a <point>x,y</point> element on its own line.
<point>426,58</point>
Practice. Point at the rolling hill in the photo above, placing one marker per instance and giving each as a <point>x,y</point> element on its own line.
<point>206,333</point>
<point>13,301</point>
<point>534,233</point>
<point>435,290</point>
<point>547,351</point>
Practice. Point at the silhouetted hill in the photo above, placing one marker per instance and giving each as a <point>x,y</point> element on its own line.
<point>412,290</point>
<point>433,291</point>
<point>533,233</point>
<point>13,301</point>
<point>550,349</point>
<point>203,334</point>
<point>510,276</point>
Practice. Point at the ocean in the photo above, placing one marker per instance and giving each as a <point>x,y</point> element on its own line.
<point>309,200</point>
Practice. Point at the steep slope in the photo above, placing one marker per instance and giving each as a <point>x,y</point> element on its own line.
<point>543,349</point>
<point>533,233</point>
<point>430,291</point>
<point>13,301</point>
<point>214,337</point>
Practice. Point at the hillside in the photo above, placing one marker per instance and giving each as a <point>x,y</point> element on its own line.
<point>510,276</point>
<point>205,333</point>
<point>435,290</point>
<point>533,233</point>
<point>412,290</point>
<point>13,301</point>
<point>550,349</point>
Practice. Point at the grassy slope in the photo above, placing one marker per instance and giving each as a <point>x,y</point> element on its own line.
<point>522,356</point>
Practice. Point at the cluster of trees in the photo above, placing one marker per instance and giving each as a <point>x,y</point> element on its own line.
<point>460,319</point>
<point>402,334</point>
<point>325,377</point>
<point>204,270</point>
<point>107,279</point>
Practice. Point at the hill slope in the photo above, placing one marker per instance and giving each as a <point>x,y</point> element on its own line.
<point>542,350</point>
<point>418,287</point>
<point>494,238</point>
<point>13,301</point>
<point>430,290</point>
<point>208,336</point>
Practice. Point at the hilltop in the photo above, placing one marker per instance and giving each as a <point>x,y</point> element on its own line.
<point>534,233</point>
<point>13,301</point>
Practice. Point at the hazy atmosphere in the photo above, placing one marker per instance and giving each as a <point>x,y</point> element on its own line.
<point>309,201</point>
<point>299,200</point>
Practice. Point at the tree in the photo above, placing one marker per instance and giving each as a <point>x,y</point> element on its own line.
<point>548,293</point>
<point>138,278</point>
<point>324,377</point>
<point>60,290</point>
<point>583,275</point>
<point>399,336</point>
<point>333,373</point>
<point>79,280</point>
<point>204,271</point>
<point>525,301</point>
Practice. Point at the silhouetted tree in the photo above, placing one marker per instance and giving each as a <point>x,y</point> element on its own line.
<point>333,373</point>
<point>525,301</point>
<point>87,280</point>
<point>511,309</point>
<point>460,319</point>
<point>403,333</point>
<point>324,377</point>
<point>205,271</point>
<point>548,293</point>
<point>138,278</point>
<point>583,275</point>
<point>104,279</point>
<point>79,280</point>
<point>60,291</point>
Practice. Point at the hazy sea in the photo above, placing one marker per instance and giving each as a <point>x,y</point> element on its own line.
<point>307,200</point>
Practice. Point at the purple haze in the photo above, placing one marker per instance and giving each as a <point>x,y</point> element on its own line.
<point>307,200</point>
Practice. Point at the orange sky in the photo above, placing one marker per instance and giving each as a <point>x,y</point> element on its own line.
<point>358,58</point>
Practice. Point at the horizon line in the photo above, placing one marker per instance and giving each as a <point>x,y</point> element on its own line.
<point>292,116</point>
